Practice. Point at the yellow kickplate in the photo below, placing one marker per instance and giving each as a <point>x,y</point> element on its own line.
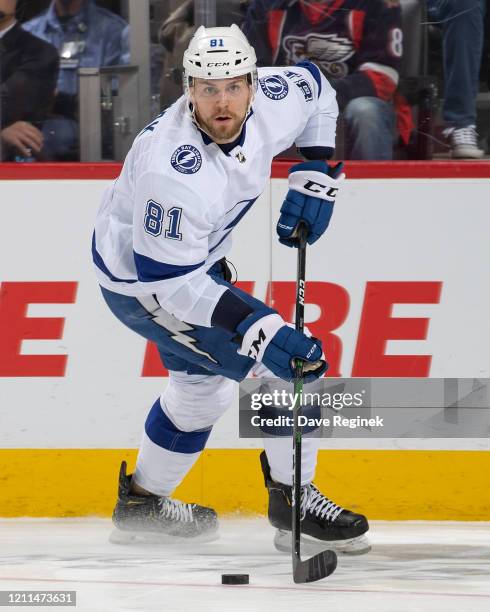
<point>389,485</point>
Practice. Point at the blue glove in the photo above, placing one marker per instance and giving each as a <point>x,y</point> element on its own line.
<point>313,187</point>
<point>267,338</point>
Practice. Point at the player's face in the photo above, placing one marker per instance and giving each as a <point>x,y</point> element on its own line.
<point>221,106</point>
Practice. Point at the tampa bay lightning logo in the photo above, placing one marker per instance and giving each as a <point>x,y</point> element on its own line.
<point>186,159</point>
<point>274,87</point>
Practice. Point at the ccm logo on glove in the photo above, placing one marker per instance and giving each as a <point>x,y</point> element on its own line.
<point>255,348</point>
<point>313,182</point>
<point>269,339</point>
<point>311,351</point>
<point>313,188</point>
<point>330,192</point>
<point>259,334</point>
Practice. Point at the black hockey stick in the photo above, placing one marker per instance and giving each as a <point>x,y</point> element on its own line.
<point>323,564</point>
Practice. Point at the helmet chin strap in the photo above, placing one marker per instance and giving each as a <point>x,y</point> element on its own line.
<point>191,109</point>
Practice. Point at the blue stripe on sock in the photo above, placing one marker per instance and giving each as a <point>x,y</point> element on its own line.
<point>162,432</point>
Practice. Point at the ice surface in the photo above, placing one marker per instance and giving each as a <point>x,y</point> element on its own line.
<point>414,566</point>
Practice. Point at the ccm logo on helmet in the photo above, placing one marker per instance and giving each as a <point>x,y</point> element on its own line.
<point>331,192</point>
<point>217,64</point>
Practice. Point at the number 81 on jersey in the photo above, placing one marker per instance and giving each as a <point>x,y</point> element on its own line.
<point>155,220</point>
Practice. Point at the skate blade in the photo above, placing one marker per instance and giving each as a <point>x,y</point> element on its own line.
<point>310,546</point>
<point>148,538</point>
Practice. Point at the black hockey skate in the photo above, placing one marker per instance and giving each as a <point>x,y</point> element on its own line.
<point>151,518</point>
<point>321,519</point>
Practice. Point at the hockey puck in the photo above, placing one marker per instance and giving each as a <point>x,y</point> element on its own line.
<point>234,578</point>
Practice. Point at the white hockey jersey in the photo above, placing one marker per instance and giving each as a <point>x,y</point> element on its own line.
<point>170,215</point>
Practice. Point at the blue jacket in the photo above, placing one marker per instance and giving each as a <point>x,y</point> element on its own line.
<point>90,39</point>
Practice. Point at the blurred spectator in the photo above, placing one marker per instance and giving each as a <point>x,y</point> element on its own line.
<point>462,23</point>
<point>85,36</point>
<point>28,73</point>
<point>175,34</point>
<point>157,54</point>
<point>356,43</point>
<point>485,64</point>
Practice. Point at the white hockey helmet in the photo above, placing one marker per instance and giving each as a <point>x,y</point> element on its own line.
<point>219,53</point>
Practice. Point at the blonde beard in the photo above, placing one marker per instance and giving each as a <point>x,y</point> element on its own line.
<point>218,137</point>
<point>191,108</point>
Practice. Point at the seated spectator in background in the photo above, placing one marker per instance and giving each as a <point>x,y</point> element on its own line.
<point>86,36</point>
<point>462,23</point>
<point>28,74</point>
<point>176,32</point>
<point>356,43</point>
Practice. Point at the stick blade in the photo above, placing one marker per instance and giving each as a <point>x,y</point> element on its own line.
<point>313,569</point>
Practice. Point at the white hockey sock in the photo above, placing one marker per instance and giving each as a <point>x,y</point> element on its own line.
<point>159,470</point>
<point>177,428</point>
<point>280,456</point>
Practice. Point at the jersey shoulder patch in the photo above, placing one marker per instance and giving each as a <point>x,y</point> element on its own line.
<point>274,86</point>
<point>186,159</point>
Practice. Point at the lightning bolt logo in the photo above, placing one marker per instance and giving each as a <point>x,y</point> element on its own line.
<point>186,159</point>
<point>274,87</point>
<point>172,324</point>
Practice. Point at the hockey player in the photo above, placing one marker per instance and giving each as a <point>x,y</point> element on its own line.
<point>161,235</point>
